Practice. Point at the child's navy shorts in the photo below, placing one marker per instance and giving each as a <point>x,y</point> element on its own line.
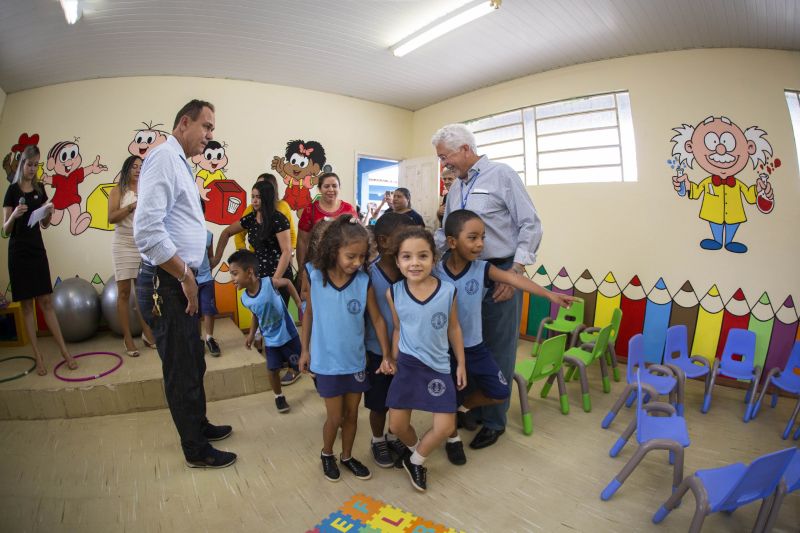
<point>288,353</point>
<point>375,397</point>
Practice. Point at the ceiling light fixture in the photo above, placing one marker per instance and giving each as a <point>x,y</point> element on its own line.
<point>72,10</point>
<point>448,23</point>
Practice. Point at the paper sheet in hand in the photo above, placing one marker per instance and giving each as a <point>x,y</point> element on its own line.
<point>38,215</point>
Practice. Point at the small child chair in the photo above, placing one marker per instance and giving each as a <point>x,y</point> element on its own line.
<point>567,320</point>
<point>737,362</point>
<point>547,362</point>
<point>729,487</point>
<point>579,357</point>
<point>676,357</point>
<point>789,483</point>
<point>652,433</point>
<point>787,380</point>
<point>655,380</point>
<point>588,335</point>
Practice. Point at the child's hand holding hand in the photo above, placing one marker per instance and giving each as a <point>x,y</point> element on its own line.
<point>387,367</point>
<point>562,300</point>
<point>248,341</point>
<point>461,377</point>
<point>305,361</point>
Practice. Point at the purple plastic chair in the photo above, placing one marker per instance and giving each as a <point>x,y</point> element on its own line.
<point>737,362</point>
<point>787,380</point>
<point>729,487</point>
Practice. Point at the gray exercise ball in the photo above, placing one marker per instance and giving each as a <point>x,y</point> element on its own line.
<point>77,307</point>
<point>108,304</point>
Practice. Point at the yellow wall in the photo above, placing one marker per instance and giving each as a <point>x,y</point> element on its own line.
<point>254,120</point>
<point>644,228</point>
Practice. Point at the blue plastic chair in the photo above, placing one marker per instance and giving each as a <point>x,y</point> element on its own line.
<point>655,380</point>
<point>737,362</point>
<point>789,483</point>
<point>729,487</point>
<point>677,358</point>
<point>787,380</point>
<point>652,433</point>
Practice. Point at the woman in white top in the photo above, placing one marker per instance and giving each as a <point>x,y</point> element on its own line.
<point>121,205</point>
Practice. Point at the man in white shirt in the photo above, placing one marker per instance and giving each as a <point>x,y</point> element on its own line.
<point>496,193</point>
<point>170,232</point>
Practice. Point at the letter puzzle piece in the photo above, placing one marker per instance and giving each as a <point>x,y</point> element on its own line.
<point>339,522</point>
<point>392,520</point>
<point>361,507</point>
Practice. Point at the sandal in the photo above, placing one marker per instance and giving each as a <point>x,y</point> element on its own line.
<point>147,342</point>
<point>130,353</point>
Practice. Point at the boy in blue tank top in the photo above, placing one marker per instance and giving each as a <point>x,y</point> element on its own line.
<point>383,272</point>
<point>425,320</point>
<point>333,336</point>
<point>473,277</point>
<point>270,316</point>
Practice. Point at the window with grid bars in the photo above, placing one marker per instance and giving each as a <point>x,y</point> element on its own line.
<point>581,140</point>
<point>793,101</point>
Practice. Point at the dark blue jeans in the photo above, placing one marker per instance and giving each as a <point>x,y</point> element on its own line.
<point>182,356</point>
<point>500,335</point>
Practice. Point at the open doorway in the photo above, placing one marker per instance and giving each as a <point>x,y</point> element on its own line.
<point>376,176</point>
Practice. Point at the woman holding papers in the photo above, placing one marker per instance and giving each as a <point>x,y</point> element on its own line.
<point>28,268</point>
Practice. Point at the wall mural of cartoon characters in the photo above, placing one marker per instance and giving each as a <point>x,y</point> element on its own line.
<point>144,140</point>
<point>212,163</point>
<point>722,149</point>
<point>11,160</point>
<point>64,160</point>
<point>300,167</point>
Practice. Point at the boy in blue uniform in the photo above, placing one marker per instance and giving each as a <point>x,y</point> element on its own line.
<point>472,277</point>
<point>270,315</point>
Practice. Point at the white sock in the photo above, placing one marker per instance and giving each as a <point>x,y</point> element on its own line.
<point>417,459</point>
<point>378,439</point>
<point>413,449</point>
<point>327,454</point>
<point>278,395</point>
<point>462,409</point>
<point>391,437</point>
<point>451,440</point>
<point>209,337</point>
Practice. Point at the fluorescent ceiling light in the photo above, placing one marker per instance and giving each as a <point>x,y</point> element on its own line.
<point>72,11</point>
<point>448,23</point>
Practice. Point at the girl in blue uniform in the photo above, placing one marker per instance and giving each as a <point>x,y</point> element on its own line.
<point>425,317</point>
<point>383,272</point>
<point>333,337</point>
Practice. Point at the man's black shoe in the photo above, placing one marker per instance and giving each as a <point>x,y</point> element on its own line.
<point>455,452</point>
<point>485,437</point>
<point>213,433</point>
<point>212,458</point>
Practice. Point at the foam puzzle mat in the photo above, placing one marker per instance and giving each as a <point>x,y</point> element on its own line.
<point>362,514</point>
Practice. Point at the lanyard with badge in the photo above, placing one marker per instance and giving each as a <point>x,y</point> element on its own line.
<point>465,197</point>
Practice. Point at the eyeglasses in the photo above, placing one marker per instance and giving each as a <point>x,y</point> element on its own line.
<point>443,158</point>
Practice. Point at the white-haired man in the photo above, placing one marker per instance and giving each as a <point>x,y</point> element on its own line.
<point>722,149</point>
<point>513,232</point>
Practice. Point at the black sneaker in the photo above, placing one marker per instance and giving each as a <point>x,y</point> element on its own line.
<point>212,458</point>
<point>213,347</point>
<point>213,433</point>
<point>355,466</point>
<point>399,450</point>
<point>329,468</point>
<point>282,404</point>
<point>455,452</point>
<point>382,455</point>
<point>465,420</point>
<point>290,377</point>
<point>416,473</point>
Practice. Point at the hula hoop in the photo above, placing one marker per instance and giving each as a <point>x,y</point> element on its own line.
<point>21,374</point>
<point>88,378</point>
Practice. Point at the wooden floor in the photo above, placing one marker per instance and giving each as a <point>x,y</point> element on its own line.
<point>125,472</point>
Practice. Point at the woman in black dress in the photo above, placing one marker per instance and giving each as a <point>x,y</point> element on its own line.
<point>28,268</point>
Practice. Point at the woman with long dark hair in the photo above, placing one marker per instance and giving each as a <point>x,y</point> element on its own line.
<point>28,268</point>
<point>267,232</point>
<point>121,206</point>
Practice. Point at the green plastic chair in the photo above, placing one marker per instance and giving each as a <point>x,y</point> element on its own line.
<point>547,362</point>
<point>567,320</point>
<point>589,335</point>
<point>580,357</point>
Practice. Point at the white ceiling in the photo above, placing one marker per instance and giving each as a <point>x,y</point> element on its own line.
<point>342,46</point>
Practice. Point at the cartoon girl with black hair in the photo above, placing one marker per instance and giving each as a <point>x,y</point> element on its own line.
<point>299,168</point>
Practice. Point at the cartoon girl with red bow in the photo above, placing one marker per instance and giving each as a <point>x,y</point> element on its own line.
<point>722,149</point>
<point>65,159</point>
<point>299,169</point>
